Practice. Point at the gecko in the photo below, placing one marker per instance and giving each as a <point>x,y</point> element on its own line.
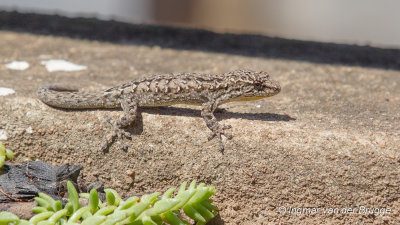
<point>207,90</point>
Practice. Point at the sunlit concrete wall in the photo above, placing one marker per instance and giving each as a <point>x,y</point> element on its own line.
<point>345,21</point>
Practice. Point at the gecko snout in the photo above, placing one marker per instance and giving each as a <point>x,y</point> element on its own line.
<point>275,86</point>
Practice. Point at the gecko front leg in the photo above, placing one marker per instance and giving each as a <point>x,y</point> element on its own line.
<point>130,109</point>
<point>207,112</point>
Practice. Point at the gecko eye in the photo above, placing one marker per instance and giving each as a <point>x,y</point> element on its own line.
<point>259,86</point>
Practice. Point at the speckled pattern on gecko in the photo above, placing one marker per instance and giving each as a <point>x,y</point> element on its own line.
<point>207,90</point>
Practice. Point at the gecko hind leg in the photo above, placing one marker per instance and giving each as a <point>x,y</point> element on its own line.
<point>216,128</point>
<point>130,109</point>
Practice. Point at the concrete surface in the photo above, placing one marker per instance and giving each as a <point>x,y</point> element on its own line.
<point>328,141</point>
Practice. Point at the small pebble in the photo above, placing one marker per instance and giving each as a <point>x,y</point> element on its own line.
<point>17,65</point>
<point>6,91</point>
<point>3,135</point>
<point>54,65</point>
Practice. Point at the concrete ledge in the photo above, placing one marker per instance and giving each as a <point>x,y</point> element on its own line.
<point>328,140</point>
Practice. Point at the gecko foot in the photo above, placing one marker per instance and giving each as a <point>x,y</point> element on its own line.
<point>117,133</point>
<point>218,131</point>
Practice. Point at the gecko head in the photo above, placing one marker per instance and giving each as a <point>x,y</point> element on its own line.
<point>255,85</point>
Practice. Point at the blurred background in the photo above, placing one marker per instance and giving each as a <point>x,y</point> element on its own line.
<point>362,22</point>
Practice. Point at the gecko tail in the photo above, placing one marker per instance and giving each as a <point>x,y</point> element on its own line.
<point>70,98</point>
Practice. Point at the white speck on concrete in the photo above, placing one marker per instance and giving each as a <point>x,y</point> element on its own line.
<point>3,135</point>
<point>29,130</point>
<point>53,65</point>
<point>6,91</point>
<point>258,106</point>
<point>17,65</point>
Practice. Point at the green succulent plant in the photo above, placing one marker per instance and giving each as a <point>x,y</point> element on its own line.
<point>5,154</point>
<point>193,201</point>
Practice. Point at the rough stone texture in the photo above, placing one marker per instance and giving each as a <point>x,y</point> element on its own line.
<point>330,139</point>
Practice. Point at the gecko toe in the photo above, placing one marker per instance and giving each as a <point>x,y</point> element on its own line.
<point>228,136</point>
<point>122,133</point>
<point>123,146</point>
<point>221,147</point>
<point>219,131</point>
<point>107,143</point>
<point>225,132</point>
<point>212,136</point>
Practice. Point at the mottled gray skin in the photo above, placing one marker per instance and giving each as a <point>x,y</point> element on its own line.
<point>207,90</point>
